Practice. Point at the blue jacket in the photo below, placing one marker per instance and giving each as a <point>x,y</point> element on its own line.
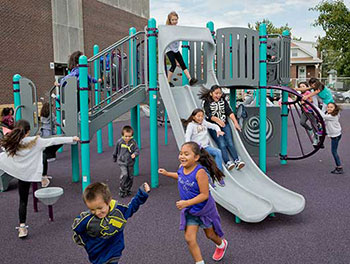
<point>103,239</point>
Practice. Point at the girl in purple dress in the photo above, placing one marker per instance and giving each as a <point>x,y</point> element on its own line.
<point>197,206</point>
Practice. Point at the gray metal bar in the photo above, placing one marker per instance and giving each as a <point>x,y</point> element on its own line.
<point>198,61</point>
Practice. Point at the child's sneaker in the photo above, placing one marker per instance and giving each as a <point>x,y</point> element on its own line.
<point>193,81</point>
<point>122,194</point>
<point>220,252</point>
<point>221,183</point>
<point>239,164</point>
<point>315,140</point>
<point>22,231</point>
<point>337,171</point>
<point>229,165</point>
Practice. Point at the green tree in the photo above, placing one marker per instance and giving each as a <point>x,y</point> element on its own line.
<point>334,18</point>
<point>271,28</point>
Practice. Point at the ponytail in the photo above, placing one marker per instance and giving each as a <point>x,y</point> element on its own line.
<point>205,94</point>
<point>206,161</point>
<point>12,141</point>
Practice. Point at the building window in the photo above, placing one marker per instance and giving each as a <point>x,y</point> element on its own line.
<point>294,53</point>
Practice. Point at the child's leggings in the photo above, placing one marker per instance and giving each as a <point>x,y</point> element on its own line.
<point>173,57</point>
<point>23,190</point>
<point>334,145</point>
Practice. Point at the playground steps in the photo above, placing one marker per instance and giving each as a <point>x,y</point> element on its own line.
<point>116,108</point>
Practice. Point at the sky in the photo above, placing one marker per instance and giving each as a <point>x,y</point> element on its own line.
<point>238,13</point>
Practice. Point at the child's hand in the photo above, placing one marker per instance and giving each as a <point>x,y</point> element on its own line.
<point>76,139</point>
<point>162,171</point>
<point>133,155</point>
<point>146,187</point>
<point>181,204</point>
<point>305,97</point>
<point>56,84</point>
<point>238,127</point>
<point>220,133</point>
<point>221,123</point>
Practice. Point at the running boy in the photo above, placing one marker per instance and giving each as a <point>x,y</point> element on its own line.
<point>124,154</point>
<point>101,230</point>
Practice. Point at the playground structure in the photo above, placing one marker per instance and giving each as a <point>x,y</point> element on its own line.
<point>129,70</point>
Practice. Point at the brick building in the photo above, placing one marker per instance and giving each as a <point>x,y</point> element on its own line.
<point>39,32</point>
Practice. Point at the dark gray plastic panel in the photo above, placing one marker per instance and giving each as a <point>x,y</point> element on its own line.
<point>243,54</point>
<point>29,102</point>
<point>69,107</point>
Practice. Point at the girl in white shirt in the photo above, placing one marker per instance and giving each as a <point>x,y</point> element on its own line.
<point>23,159</point>
<point>197,131</point>
<point>333,129</point>
<point>174,54</point>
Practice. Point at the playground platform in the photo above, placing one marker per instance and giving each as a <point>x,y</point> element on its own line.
<point>319,234</point>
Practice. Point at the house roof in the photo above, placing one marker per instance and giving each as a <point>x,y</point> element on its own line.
<point>309,48</point>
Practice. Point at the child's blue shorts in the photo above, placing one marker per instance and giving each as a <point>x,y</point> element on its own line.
<point>195,220</point>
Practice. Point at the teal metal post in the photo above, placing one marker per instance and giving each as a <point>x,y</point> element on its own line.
<point>210,25</point>
<point>17,96</point>
<point>75,162</point>
<point>58,115</point>
<point>284,119</point>
<point>185,49</point>
<point>262,91</point>
<point>84,121</point>
<point>152,51</point>
<point>165,127</point>
<point>133,82</point>
<point>97,97</point>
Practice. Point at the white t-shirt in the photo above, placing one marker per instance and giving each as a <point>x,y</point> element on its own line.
<point>27,164</point>
<point>174,47</point>
<point>199,132</point>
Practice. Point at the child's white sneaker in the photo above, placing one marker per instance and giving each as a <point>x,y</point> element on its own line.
<point>239,164</point>
<point>229,165</point>
<point>22,231</point>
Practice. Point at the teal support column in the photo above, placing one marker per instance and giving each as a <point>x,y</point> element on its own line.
<point>133,83</point>
<point>237,220</point>
<point>152,55</point>
<point>58,116</point>
<point>16,95</point>
<point>210,26</point>
<point>262,92</point>
<point>284,119</point>
<point>84,121</point>
<point>97,97</point>
<point>75,162</point>
<point>166,127</point>
<point>185,49</point>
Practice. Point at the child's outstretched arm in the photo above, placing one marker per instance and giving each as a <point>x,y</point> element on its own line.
<point>203,183</point>
<point>305,97</point>
<point>168,173</point>
<point>139,199</point>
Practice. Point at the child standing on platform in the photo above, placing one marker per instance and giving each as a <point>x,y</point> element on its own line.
<point>217,110</point>
<point>174,54</point>
<point>22,159</point>
<point>101,229</point>
<point>125,154</point>
<point>197,131</point>
<point>333,129</point>
<point>197,206</point>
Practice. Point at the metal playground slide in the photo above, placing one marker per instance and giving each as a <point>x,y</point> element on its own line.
<point>249,194</point>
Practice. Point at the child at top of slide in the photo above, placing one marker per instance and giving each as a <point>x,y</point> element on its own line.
<point>174,54</point>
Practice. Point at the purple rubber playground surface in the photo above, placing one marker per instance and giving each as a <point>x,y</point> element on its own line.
<point>320,234</point>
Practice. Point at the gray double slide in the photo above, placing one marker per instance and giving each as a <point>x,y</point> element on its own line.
<point>249,194</point>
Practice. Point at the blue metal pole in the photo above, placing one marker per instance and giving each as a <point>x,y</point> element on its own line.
<point>152,51</point>
<point>262,89</point>
<point>284,119</point>
<point>97,97</point>
<point>84,121</point>
<point>16,95</point>
<point>132,82</point>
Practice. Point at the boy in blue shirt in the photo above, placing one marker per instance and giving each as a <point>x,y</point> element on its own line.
<point>101,229</point>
